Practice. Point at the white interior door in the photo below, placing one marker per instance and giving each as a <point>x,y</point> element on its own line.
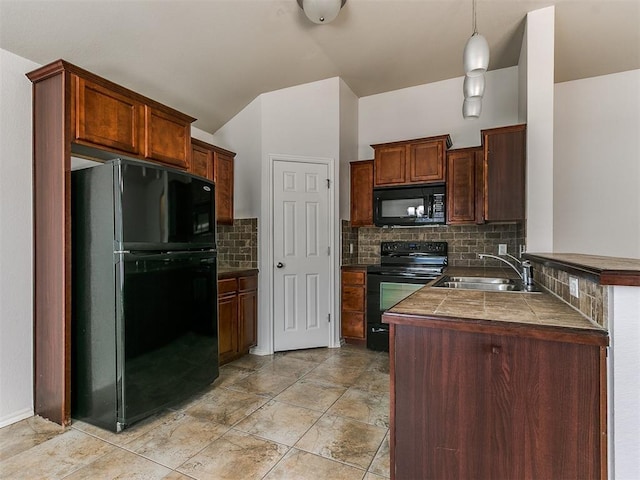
<point>302,266</point>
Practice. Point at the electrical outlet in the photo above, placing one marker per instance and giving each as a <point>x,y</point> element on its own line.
<point>351,248</point>
<point>502,249</point>
<point>573,287</point>
<point>523,248</point>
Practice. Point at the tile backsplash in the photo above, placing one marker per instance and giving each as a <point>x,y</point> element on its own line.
<point>592,299</point>
<point>238,244</point>
<point>464,241</point>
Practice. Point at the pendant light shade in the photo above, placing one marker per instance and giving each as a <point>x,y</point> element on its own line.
<point>472,107</point>
<point>321,11</point>
<point>473,86</point>
<point>475,58</point>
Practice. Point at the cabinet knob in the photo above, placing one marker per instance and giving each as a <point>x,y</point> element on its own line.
<point>495,349</point>
<point>280,265</point>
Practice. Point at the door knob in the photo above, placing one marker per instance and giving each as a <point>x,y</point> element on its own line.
<point>280,265</point>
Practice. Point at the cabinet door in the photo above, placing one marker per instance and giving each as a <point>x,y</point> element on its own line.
<point>426,162</point>
<point>390,165</point>
<point>504,170</point>
<point>547,409</point>
<point>464,186</point>
<point>106,118</point>
<point>167,139</point>
<point>362,193</point>
<point>228,328</point>
<point>223,177</point>
<point>201,162</point>
<point>441,421</point>
<point>248,319</point>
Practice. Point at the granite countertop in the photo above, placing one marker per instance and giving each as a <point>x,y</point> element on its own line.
<point>604,270</point>
<point>542,309</point>
<point>230,272</point>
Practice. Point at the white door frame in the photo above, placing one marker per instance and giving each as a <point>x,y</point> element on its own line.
<point>265,238</point>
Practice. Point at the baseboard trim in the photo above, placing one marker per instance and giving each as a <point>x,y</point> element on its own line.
<point>16,417</point>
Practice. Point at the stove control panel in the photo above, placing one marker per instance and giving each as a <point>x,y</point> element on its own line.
<point>398,248</point>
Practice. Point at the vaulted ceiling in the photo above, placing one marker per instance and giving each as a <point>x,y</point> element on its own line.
<point>210,58</point>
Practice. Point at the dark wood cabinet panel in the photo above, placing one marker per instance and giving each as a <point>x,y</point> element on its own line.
<point>464,186</point>
<point>361,174</point>
<point>167,138</point>
<point>223,177</point>
<point>228,344</point>
<point>237,316</point>
<point>353,304</point>
<point>390,165</point>
<point>410,162</point>
<point>537,405</point>
<point>201,162</point>
<point>105,118</point>
<point>504,173</point>
<point>426,162</point>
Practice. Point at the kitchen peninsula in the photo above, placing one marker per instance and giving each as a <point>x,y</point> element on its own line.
<point>496,385</point>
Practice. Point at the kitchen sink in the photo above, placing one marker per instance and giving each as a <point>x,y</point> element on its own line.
<point>485,284</point>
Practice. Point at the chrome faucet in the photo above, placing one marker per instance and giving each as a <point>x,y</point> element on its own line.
<point>525,272</point>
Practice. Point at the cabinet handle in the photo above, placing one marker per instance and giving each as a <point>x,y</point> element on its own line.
<point>495,349</point>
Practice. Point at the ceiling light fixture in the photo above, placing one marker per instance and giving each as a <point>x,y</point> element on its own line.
<point>476,52</point>
<point>475,60</point>
<point>321,11</point>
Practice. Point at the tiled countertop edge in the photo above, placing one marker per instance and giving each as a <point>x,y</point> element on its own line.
<point>592,267</point>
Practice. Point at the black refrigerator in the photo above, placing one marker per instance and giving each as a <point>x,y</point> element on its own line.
<point>144,301</point>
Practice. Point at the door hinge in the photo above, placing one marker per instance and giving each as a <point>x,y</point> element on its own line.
<point>329,316</point>
<point>329,251</point>
<point>328,183</point>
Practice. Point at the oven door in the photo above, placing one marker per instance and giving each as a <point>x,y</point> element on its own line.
<point>384,290</point>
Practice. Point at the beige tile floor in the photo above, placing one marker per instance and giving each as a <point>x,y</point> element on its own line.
<point>309,414</point>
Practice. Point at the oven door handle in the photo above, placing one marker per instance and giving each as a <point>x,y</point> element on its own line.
<point>406,275</point>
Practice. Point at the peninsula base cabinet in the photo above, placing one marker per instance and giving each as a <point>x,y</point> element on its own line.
<point>237,316</point>
<point>469,405</point>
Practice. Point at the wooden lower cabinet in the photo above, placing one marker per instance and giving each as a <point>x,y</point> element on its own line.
<point>353,308</point>
<point>492,406</point>
<point>237,316</point>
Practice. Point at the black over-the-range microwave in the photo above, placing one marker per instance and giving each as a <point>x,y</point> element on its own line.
<point>409,206</point>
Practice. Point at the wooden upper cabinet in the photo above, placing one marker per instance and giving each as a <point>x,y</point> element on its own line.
<point>390,165</point>
<point>106,118</point>
<point>504,173</point>
<point>361,193</point>
<point>201,163</point>
<point>464,186</point>
<point>167,138</point>
<point>410,162</point>
<point>426,162</point>
<point>223,177</point>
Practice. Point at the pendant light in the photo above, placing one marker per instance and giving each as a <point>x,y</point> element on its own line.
<point>472,107</point>
<point>321,11</point>
<point>476,52</point>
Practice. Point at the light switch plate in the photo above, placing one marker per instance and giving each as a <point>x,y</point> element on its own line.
<point>502,249</point>
<point>573,287</point>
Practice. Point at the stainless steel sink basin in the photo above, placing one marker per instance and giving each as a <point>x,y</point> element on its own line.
<point>485,284</point>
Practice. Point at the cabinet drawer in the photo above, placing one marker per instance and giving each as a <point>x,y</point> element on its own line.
<point>248,283</point>
<point>227,286</point>
<point>353,324</point>
<point>353,298</point>
<point>353,277</point>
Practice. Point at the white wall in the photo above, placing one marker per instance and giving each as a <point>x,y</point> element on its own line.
<point>624,392</point>
<point>522,79</point>
<point>16,240</point>
<point>243,135</point>
<point>436,109</point>
<point>348,144</point>
<point>539,110</point>
<point>597,165</point>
